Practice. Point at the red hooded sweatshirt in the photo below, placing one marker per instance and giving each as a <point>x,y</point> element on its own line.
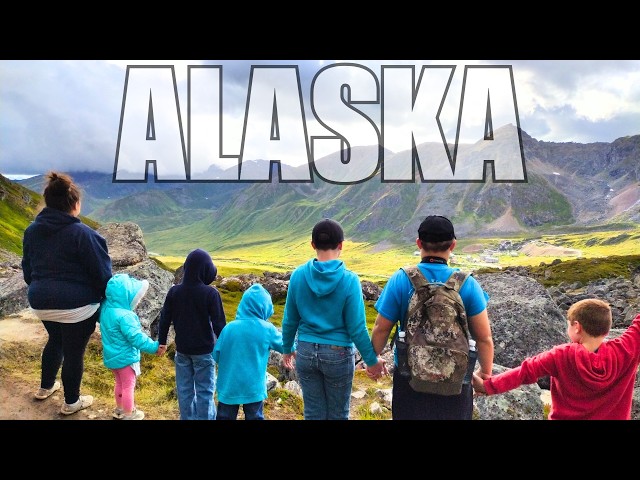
<point>584,385</point>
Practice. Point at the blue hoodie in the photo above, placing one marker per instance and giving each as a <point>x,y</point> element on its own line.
<point>325,305</point>
<point>65,263</point>
<point>120,328</point>
<point>242,351</point>
<point>194,307</point>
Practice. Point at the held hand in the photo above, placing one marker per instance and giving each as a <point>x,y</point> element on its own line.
<point>385,370</point>
<point>378,370</point>
<point>478,384</point>
<point>287,360</point>
<point>161,350</point>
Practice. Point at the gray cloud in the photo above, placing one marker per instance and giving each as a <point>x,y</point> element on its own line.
<point>57,114</point>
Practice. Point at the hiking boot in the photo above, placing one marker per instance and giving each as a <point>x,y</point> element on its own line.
<point>118,413</point>
<point>83,402</point>
<point>134,415</point>
<point>47,392</point>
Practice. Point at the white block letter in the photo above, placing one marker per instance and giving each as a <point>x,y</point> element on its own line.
<point>150,126</point>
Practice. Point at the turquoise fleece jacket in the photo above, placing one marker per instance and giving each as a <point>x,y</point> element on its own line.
<point>120,328</point>
<point>242,351</point>
<point>325,305</point>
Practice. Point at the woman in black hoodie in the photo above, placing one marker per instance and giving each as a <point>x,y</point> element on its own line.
<point>67,266</point>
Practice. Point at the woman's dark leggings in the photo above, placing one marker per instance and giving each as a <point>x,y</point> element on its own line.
<point>65,347</point>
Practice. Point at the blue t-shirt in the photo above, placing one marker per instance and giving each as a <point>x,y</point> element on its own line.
<point>393,302</point>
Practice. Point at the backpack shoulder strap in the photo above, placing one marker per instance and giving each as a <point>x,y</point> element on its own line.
<point>415,275</point>
<point>456,280</point>
<point>417,281</point>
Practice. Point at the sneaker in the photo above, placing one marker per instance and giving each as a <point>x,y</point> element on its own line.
<point>83,402</point>
<point>134,415</point>
<point>47,392</point>
<point>118,413</point>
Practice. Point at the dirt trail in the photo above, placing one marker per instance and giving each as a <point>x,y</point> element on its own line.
<point>16,396</point>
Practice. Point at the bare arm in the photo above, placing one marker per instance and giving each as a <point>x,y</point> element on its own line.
<point>380,333</point>
<point>480,329</point>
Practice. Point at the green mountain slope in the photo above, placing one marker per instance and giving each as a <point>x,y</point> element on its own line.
<point>147,209</point>
<point>568,186</point>
<point>18,207</point>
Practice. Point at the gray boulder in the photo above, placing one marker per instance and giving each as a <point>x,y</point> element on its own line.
<point>13,290</point>
<point>524,318</point>
<point>13,294</point>
<point>522,403</point>
<point>125,242</point>
<point>129,255</point>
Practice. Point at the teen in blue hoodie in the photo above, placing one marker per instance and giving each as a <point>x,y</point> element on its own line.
<point>194,308</point>
<point>242,355</point>
<point>123,339</point>
<point>325,308</point>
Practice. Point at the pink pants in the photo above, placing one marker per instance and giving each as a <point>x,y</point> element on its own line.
<point>123,390</point>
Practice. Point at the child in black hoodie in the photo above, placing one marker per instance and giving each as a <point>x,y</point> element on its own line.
<point>194,307</point>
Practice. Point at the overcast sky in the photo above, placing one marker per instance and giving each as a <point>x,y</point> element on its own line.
<point>66,115</point>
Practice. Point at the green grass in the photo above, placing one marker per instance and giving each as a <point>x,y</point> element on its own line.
<point>362,406</point>
<point>377,265</point>
<point>586,270</point>
<point>17,208</point>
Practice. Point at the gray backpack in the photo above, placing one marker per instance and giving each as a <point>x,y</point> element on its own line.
<point>437,334</point>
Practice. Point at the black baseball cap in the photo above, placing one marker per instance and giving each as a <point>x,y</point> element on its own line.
<point>327,234</point>
<point>436,228</point>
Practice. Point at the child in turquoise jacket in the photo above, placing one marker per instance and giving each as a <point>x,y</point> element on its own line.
<point>123,339</point>
<point>242,355</point>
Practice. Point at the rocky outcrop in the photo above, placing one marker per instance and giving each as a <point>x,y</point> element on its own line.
<point>523,403</point>
<point>13,290</point>
<point>128,255</point>
<point>524,318</point>
<point>275,283</point>
<point>622,294</point>
<point>126,243</point>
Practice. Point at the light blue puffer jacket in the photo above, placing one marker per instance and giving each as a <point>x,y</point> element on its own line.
<point>120,328</point>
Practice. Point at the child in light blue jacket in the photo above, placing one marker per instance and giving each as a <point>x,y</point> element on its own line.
<point>242,355</point>
<point>123,339</point>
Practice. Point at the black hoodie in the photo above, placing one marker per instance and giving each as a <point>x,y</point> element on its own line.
<point>194,307</point>
<point>65,262</point>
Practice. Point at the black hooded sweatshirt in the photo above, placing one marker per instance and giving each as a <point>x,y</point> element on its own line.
<point>194,307</point>
<point>65,262</point>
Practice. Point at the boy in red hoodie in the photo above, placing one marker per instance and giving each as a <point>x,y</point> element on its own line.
<point>591,378</point>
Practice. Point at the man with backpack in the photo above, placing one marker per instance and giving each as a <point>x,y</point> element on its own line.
<point>430,393</point>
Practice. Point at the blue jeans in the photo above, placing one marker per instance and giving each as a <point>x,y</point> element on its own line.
<point>325,373</point>
<point>252,411</point>
<point>196,384</point>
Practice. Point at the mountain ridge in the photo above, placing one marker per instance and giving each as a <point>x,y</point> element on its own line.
<point>568,185</point>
